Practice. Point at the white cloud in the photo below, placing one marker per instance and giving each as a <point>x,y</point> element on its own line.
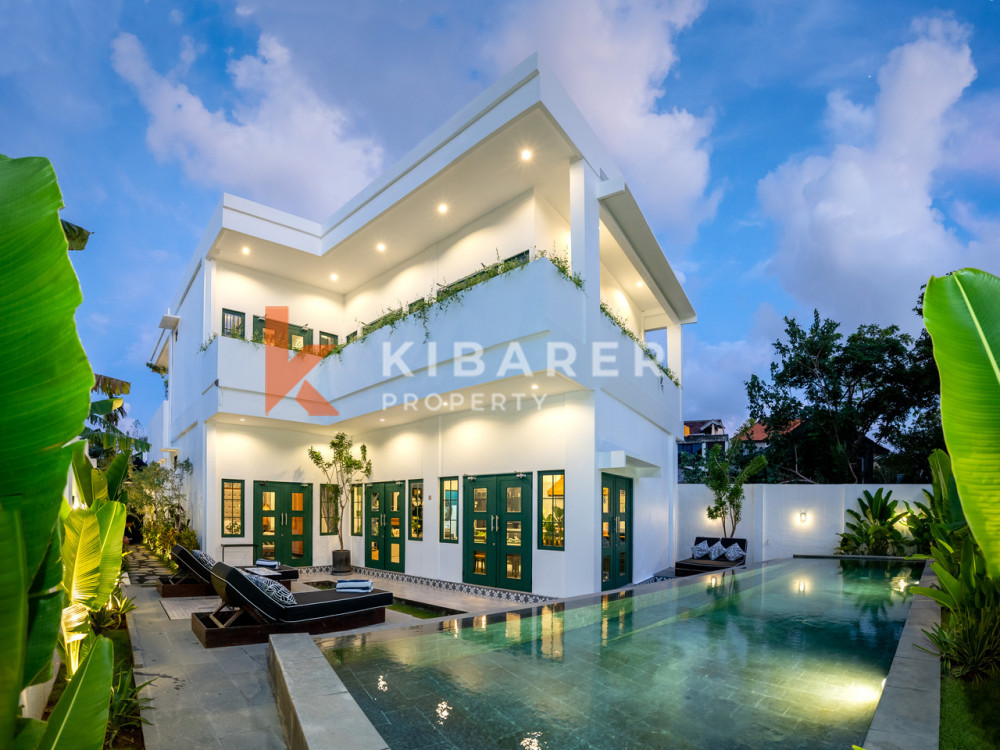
<point>613,57</point>
<point>176,17</point>
<point>859,229</point>
<point>281,144</point>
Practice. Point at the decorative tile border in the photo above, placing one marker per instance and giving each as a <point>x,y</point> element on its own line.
<point>503,595</point>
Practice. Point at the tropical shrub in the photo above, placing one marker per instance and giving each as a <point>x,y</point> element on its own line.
<point>156,493</point>
<point>126,705</point>
<point>873,530</point>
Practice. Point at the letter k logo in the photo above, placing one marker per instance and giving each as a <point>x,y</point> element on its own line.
<point>282,374</point>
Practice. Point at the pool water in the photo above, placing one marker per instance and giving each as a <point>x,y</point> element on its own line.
<point>787,655</point>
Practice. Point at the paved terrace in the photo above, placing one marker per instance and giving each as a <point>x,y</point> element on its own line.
<point>221,698</point>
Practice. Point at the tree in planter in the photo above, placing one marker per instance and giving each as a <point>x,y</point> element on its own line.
<point>341,471</point>
<point>726,479</point>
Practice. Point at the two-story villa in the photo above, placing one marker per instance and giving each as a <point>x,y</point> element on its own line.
<point>519,438</point>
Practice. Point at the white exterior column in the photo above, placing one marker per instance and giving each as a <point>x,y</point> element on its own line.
<point>585,242</point>
<point>675,359</point>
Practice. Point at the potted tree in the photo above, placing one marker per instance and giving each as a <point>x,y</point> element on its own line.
<point>341,471</point>
<point>726,479</point>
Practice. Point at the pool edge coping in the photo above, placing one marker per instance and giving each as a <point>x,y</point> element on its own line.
<point>908,714</point>
<point>308,691</point>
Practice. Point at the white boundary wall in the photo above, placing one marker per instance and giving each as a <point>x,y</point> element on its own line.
<point>771,520</point>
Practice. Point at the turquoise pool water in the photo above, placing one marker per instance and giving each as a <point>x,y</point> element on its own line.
<point>788,655</point>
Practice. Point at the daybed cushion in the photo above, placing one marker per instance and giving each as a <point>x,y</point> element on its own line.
<point>272,589</point>
<point>716,551</point>
<point>734,552</point>
<point>204,558</point>
<point>237,591</point>
<point>700,549</point>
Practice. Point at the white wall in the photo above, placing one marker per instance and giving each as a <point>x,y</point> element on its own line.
<point>771,514</point>
<point>620,428</point>
<point>249,291</point>
<point>505,231</point>
<point>616,297</point>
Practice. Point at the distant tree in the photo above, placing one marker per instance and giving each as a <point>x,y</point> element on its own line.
<point>102,430</point>
<point>876,383</point>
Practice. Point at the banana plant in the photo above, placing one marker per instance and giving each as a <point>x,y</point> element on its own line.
<point>962,315</point>
<point>46,399</point>
<point>91,549</point>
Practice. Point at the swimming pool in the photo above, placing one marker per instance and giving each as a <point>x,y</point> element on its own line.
<point>790,654</point>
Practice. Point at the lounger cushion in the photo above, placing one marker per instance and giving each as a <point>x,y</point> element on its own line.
<point>274,590</point>
<point>204,558</point>
<point>716,551</point>
<point>191,564</point>
<point>700,549</point>
<point>734,552</point>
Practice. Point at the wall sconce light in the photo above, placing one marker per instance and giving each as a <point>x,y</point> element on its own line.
<point>802,517</point>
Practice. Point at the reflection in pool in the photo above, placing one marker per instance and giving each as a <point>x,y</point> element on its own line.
<point>788,655</point>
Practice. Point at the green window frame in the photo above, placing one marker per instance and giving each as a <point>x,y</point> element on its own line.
<point>327,510</point>
<point>233,324</point>
<point>233,502</point>
<point>294,331</point>
<point>415,509</point>
<point>328,339</point>
<point>552,510</point>
<point>352,337</point>
<point>357,509</point>
<point>449,510</point>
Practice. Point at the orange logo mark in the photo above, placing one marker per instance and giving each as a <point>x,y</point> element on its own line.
<point>282,374</point>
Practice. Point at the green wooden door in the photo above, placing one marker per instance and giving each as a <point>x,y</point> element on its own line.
<point>497,546</point>
<point>385,521</point>
<point>283,522</point>
<point>616,531</point>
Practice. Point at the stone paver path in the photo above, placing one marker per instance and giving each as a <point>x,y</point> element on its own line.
<point>143,567</point>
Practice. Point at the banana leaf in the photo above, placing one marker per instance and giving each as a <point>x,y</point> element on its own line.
<point>46,397</point>
<point>45,603</point>
<point>962,315</point>
<point>80,719</point>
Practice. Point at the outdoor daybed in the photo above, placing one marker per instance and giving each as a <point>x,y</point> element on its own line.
<point>249,614</point>
<point>692,566</point>
<point>194,575</point>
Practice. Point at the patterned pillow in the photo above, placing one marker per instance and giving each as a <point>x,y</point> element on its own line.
<point>272,589</point>
<point>734,552</point>
<point>716,551</point>
<point>700,549</point>
<point>204,558</point>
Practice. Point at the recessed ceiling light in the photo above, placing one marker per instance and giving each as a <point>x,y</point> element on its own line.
<point>638,283</point>
<point>526,154</point>
<point>246,250</point>
<point>534,386</point>
<point>442,208</point>
<point>382,419</point>
<point>380,247</point>
<point>242,419</point>
<point>334,277</point>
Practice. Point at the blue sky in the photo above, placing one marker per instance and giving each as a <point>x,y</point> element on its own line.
<point>789,155</point>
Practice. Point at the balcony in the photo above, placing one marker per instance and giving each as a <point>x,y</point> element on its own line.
<point>499,337</point>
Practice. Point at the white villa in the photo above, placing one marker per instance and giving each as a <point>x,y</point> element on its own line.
<point>519,438</point>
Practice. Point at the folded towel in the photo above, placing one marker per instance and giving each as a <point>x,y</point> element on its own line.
<point>267,563</point>
<point>362,588</point>
<point>353,580</point>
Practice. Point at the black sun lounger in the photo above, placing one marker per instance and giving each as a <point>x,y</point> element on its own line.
<point>193,577</point>
<point>249,615</point>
